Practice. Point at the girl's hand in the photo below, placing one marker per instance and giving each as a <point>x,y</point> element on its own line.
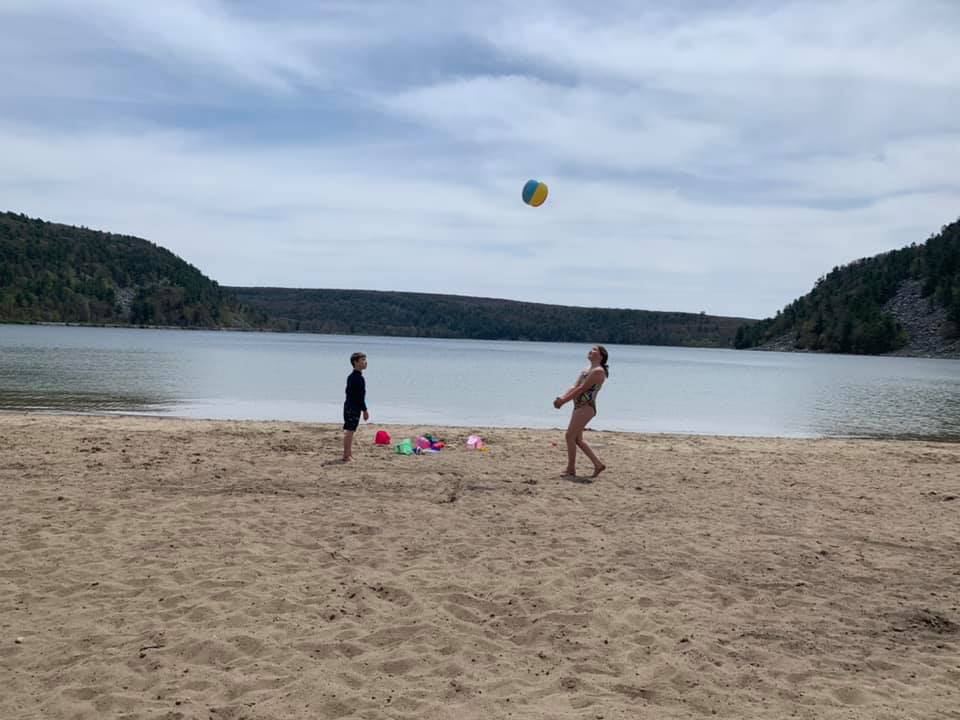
<point>366,416</point>
<point>557,403</point>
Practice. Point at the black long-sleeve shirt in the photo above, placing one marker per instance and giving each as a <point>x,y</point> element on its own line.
<point>356,392</point>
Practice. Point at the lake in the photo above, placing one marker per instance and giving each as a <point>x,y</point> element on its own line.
<point>473,383</point>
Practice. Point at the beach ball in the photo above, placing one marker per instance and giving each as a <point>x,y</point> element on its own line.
<point>534,193</point>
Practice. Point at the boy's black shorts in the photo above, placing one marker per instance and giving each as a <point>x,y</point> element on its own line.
<point>351,418</point>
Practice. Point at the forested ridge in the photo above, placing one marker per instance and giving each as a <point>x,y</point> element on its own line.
<point>371,312</point>
<point>844,313</point>
<point>60,273</point>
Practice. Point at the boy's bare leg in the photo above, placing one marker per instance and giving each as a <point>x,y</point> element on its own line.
<point>347,445</point>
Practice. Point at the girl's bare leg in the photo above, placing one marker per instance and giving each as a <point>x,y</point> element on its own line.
<point>598,466</point>
<point>578,421</point>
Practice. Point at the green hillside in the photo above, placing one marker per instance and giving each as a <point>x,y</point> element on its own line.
<point>59,273</point>
<point>369,312</point>
<point>844,312</point>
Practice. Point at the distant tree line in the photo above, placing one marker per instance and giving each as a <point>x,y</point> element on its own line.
<point>59,273</point>
<point>369,312</point>
<point>843,313</point>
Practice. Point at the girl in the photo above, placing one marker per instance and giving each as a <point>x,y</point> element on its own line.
<point>584,396</point>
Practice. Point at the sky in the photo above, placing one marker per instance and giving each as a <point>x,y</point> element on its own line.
<point>701,155</point>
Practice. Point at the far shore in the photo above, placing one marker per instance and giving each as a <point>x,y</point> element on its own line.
<point>950,353</point>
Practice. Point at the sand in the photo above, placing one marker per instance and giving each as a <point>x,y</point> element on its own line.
<point>159,568</point>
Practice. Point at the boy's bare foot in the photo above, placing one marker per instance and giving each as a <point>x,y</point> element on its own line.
<point>348,458</point>
<point>598,469</point>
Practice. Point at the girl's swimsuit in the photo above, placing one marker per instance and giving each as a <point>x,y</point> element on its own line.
<point>588,396</point>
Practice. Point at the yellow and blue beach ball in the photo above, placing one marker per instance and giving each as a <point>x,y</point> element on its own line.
<point>534,193</point>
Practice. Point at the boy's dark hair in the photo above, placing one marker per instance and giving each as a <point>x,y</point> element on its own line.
<point>356,357</point>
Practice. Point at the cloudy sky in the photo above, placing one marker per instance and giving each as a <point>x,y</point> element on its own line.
<point>715,156</point>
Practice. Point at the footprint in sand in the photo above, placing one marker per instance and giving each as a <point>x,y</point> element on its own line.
<point>851,696</point>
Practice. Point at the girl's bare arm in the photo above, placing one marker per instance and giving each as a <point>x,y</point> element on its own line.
<point>587,383</point>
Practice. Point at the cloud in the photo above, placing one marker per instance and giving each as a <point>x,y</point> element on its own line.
<point>183,36</point>
<point>724,43</point>
<point>710,156</point>
<point>913,165</point>
<point>560,124</point>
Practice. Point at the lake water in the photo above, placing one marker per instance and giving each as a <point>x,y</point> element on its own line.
<point>427,382</point>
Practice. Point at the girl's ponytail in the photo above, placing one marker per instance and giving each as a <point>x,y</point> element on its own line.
<point>604,356</point>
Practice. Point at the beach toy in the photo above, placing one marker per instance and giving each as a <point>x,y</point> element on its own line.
<point>435,442</point>
<point>405,447</point>
<point>382,438</point>
<point>423,443</point>
<point>534,193</point>
<point>475,442</point>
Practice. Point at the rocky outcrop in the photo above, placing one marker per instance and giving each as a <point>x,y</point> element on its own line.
<point>926,325</point>
<point>782,343</point>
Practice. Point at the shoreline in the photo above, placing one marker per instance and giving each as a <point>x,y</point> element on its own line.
<point>950,353</point>
<point>372,427</point>
<point>194,568</point>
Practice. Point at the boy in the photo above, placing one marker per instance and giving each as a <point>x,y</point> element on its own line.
<point>355,404</point>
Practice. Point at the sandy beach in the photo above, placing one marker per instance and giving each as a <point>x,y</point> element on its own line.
<point>160,568</point>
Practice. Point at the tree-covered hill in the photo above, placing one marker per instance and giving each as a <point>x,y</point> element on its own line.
<point>59,273</point>
<point>369,312</point>
<point>850,310</point>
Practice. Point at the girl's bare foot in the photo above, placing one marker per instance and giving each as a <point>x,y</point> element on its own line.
<point>597,469</point>
<point>569,472</point>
